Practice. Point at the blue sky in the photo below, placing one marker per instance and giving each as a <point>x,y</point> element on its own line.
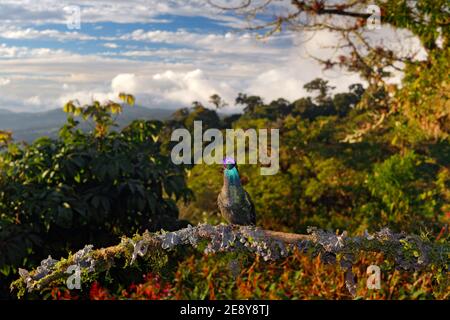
<point>167,53</point>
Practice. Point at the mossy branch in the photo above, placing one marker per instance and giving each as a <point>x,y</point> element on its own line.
<point>408,252</point>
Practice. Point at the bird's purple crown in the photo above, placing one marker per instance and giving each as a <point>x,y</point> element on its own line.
<point>228,160</point>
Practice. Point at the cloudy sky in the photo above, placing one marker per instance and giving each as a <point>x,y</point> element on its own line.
<point>168,53</point>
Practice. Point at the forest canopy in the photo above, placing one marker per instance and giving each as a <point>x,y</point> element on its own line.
<point>374,156</point>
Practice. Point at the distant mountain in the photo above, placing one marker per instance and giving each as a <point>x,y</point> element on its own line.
<point>27,126</point>
<point>3,111</point>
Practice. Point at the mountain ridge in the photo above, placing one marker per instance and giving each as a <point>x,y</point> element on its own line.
<point>27,126</point>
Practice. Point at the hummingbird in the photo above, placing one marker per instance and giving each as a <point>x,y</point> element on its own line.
<point>234,202</point>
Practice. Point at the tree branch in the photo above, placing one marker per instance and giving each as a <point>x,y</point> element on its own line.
<point>408,252</point>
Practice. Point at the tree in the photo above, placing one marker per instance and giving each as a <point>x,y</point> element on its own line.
<point>217,101</point>
<point>279,108</point>
<point>428,20</point>
<point>322,87</point>
<point>209,117</point>
<point>180,115</point>
<point>406,252</point>
<point>85,187</point>
<point>345,101</point>
<point>250,102</point>
<point>357,89</point>
<point>304,107</point>
<point>5,138</point>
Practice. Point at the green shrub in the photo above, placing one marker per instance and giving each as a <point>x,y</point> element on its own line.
<point>85,187</point>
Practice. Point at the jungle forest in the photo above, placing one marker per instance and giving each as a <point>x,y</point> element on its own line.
<point>97,210</point>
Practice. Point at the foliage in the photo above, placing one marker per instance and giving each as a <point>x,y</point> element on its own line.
<point>5,138</point>
<point>424,98</point>
<point>233,247</point>
<point>197,277</point>
<point>377,155</point>
<point>323,181</point>
<point>295,277</point>
<point>57,195</point>
<point>329,182</point>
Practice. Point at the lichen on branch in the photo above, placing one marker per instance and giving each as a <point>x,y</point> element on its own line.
<point>407,252</point>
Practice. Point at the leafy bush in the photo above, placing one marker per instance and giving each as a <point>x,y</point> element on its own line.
<point>85,187</point>
<point>328,182</point>
<point>231,276</point>
<point>401,192</point>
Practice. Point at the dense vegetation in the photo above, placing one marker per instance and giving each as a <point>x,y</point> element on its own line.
<point>58,194</point>
<point>375,156</point>
<point>94,187</point>
<point>328,182</point>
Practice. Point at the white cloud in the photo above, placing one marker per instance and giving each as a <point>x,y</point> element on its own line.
<point>111,45</point>
<point>125,82</point>
<point>184,65</point>
<point>87,96</point>
<point>34,100</point>
<point>168,88</point>
<point>143,11</point>
<point>26,52</point>
<point>266,69</point>
<point>162,53</point>
<point>185,87</point>
<point>277,83</point>
<point>11,32</point>
<point>214,42</point>
<point>4,81</point>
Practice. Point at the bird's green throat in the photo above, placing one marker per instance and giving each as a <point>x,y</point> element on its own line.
<point>233,176</point>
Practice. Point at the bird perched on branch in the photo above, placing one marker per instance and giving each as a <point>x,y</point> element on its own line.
<point>234,202</point>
